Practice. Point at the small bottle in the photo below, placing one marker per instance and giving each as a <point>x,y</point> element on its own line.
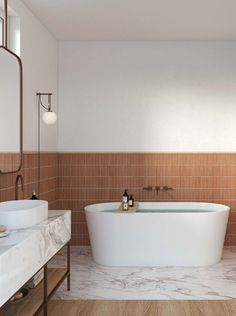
<point>125,201</point>
<point>125,197</point>
<point>34,196</point>
<point>131,201</point>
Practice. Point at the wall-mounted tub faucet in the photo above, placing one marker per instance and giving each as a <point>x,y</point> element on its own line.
<point>148,188</point>
<point>157,189</point>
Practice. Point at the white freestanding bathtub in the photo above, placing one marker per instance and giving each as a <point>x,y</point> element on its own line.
<point>158,234</point>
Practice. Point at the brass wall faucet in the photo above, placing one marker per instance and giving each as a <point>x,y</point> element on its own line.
<point>157,188</point>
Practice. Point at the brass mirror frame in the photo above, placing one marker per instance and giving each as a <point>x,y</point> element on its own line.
<point>3,32</point>
<point>21,111</point>
<point>4,46</point>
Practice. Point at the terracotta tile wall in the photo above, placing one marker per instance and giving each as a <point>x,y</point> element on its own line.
<point>49,178</point>
<point>71,181</point>
<point>86,178</point>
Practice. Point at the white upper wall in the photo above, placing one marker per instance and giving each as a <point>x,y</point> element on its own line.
<point>39,51</point>
<point>147,96</point>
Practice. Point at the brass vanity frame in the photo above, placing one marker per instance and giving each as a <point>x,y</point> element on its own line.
<point>5,47</point>
<point>46,297</point>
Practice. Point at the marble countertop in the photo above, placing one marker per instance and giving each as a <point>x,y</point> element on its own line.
<point>25,251</point>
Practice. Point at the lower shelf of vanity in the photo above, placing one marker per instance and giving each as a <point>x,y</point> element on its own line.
<point>34,300</point>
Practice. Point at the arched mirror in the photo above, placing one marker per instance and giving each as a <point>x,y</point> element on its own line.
<point>11,106</point>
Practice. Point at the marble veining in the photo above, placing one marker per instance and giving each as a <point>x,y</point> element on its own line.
<point>25,251</point>
<point>92,281</point>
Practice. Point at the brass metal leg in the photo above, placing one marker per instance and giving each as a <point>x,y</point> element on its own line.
<point>45,290</point>
<point>68,266</point>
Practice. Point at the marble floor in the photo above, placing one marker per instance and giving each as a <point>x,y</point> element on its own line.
<point>92,281</point>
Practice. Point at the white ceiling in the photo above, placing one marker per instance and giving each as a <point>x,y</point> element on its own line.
<point>137,19</point>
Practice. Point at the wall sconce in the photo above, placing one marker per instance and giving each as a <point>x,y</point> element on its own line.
<point>49,117</point>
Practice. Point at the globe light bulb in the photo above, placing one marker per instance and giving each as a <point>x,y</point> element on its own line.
<point>49,117</point>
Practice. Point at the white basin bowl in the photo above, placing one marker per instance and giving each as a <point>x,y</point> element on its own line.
<point>23,213</point>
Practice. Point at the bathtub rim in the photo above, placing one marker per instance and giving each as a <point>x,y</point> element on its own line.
<point>105,206</point>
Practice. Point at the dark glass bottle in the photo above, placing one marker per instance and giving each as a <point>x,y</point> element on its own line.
<point>34,196</point>
<point>131,201</point>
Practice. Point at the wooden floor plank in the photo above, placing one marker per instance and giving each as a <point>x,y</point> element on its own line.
<point>142,308</point>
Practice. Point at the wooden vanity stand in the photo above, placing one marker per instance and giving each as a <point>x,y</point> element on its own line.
<point>38,298</point>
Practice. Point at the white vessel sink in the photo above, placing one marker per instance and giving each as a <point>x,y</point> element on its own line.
<point>23,213</point>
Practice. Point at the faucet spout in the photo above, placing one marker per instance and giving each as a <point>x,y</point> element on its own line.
<point>19,178</point>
